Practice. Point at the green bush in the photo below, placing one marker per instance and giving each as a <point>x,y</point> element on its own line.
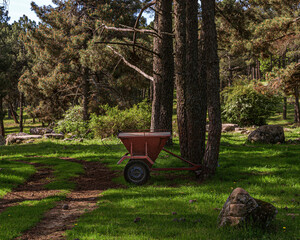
<point>115,120</point>
<point>246,106</point>
<point>73,122</point>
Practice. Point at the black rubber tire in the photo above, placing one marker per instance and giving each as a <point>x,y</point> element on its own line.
<point>136,172</point>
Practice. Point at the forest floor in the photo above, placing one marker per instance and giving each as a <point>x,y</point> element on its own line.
<point>52,189</point>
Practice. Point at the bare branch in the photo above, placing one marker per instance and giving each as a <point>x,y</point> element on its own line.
<point>129,29</point>
<point>131,65</point>
<point>129,44</point>
<point>138,19</point>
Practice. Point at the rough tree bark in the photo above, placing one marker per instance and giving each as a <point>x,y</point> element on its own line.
<point>180,73</point>
<point>213,87</point>
<point>86,95</point>
<point>13,112</point>
<point>297,107</point>
<point>163,68</point>
<point>21,112</point>
<point>284,109</point>
<point>202,93</point>
<point>2,114</point>
<point>193,98</point>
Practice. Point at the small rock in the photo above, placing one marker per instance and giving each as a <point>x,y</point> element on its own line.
<point>54,135</point>
<point>137,219</point>
<point>65,207</point>
<point>228,127</point>
<point>40,131</point>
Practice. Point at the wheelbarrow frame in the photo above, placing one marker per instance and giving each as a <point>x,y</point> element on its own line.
<point>132,156</point>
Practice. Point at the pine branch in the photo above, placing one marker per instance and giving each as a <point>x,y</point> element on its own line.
<point>129,44</point>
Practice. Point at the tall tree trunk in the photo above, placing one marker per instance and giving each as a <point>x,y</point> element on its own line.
<point>213,87</point>
<point>297,108</point>
<point>284,108</point>
<point>21,112</point>
<point>180,74</point>
<point>13,113</point>
<point>86,95</point>
<point>2,115</point>
<point>202,93</point>
<point>163,69</point>
<point>193,98</point>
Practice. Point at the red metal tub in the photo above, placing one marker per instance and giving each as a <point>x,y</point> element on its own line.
<point>143,149</point>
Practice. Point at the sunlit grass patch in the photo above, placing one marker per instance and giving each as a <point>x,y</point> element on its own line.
<point>17,219</point>
<point>12,174</point>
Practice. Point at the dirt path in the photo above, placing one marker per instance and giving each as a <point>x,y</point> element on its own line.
<point>96,179</point>
<point>32,189</point>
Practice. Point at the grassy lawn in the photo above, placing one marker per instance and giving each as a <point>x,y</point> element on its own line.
<point>268,172</point>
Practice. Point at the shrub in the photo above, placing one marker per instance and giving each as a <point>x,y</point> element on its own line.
<point>246,106</point>
<point>115,120</point>
<point>73,122</point>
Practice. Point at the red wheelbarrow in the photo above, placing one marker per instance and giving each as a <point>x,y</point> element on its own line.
<point>143,149</point>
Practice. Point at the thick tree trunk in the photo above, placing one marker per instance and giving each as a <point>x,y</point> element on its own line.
<point>86,95</point>
<point>193,98</point>
<point>21,112</point>
<point>2,115</point>
<point>163,69</point>
<point>297,108</point>
<point>180,74</point>
<point>284,108</point>
<point>202,93</point>
<point>213,87</point>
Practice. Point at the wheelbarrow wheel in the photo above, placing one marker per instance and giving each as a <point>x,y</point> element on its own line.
<point>136,172</point>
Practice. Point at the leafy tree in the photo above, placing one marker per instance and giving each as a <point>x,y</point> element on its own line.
<point>5,61</point>
<point>67,61</point>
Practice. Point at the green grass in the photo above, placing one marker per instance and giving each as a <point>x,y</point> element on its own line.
<point>17,219</point>
<point>12,174</point>
<point>268,172</point>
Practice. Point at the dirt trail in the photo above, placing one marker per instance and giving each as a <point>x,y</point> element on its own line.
<point>32,189</point>
<point>96,179</point>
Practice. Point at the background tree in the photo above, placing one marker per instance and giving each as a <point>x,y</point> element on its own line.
<point>5,62</point>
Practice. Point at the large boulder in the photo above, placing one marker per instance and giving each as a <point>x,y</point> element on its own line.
<point>240,208</point>
<point>40,130</point>
<point>267,134</point>
<point>2,140</point>
<point>20,137</point>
